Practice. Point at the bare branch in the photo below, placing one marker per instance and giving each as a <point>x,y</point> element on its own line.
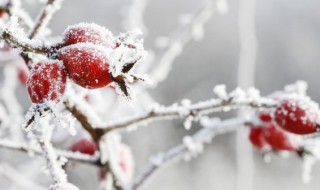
<point>95,133</point>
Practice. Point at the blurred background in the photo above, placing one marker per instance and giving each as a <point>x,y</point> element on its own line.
<point>288,49</point>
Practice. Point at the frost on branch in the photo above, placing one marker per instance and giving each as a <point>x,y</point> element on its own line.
<point>119,158</point>
<point>42,133</point>
<point>63,186</point>
<point>87,56</point>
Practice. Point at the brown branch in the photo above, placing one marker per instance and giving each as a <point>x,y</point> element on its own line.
<point>43,18</point>
<point>26,47</point>
<point>95,133</point>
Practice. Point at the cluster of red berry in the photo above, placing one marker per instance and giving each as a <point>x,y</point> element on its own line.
<point>83,58</point>
<point>281,127</point>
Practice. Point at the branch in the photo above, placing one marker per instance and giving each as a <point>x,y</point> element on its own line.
<point>25,44</point>
<point>192,147</point>
<point>178,39</point>
<point>13,8</point>
<point>194,110</point>
<point>95,133</point>
<point>32,46</point>
<point>75,156</point>
<point>45,16</point>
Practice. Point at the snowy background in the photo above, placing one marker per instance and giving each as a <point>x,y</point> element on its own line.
<point>288,50</point>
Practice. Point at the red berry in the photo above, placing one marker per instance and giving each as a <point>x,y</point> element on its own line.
<point>23,75</point>
<point>265,115</point>
<point>257,138</point>
<point>84,146</point>
<point>87,65</point>
<point>279,139</point>
<point>47,81</point>
<point>298,115</point>
<point>89,33</point>
<point>2,13</point>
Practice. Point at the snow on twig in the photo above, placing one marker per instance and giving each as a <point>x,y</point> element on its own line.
<point>196,110</point>
<point>75,156</point>
<point>134,17</point>
<point>42,133</point>
<point>45,16</point>
<point>204,135</point>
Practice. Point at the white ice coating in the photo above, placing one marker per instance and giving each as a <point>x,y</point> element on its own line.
<point>119,157</point>
<point>192,146</point>
<point>49,9</point>
<point>63,186</point>
<point>220,91</point>
<point>96,34</point>
<point>240,99</point>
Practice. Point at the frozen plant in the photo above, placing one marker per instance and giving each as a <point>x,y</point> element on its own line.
<point>72,81</point>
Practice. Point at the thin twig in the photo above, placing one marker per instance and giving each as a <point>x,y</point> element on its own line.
<point>195,110</point>
<point>177,40</point>
<point>95,133</point>
<point>26,46</point>
<point>204,135</point>
<point>44,17</point>
<point>79,157</point>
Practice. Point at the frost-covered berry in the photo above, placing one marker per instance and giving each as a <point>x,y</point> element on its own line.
<point>84,146</point>
<point>298,115</point>
<point>89,33</point>
<point>266,115</point>
<point>47,81</point>
<point>257,138</point>
<point>87,65</point>
<point>279,139</point>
